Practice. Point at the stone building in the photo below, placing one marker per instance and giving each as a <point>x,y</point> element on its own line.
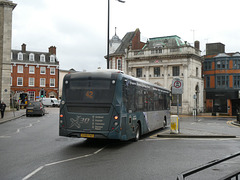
<point>6,8</point>
<point>159,61</point>
<point>62,73</point>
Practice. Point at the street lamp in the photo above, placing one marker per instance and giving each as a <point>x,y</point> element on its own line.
<point>108,31</point>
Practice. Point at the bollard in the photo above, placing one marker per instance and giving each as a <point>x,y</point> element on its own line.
<point>174,128</point>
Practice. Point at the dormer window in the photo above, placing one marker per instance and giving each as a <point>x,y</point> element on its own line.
<point>42,58</point>
<point>52,58</point>
<point>31,57</point>
<point>20,56</point>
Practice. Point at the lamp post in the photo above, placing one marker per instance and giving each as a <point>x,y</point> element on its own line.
<point>109,30</point>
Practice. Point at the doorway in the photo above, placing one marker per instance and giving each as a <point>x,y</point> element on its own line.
<point>235,106</point>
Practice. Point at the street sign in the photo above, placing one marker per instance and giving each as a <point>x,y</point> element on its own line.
<point>177,86</point>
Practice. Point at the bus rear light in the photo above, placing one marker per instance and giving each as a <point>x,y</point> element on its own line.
<point>116,117</point>
<point>115,123</point>
<point>61,115</point>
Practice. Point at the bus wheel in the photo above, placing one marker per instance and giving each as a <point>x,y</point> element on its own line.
<point>137,133</point>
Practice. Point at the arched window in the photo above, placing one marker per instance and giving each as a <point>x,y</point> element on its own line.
<point>52,58</point>
<point>20,56</point>
<point>119,64</point>
<point>31,57</point>
<point>42,58</point>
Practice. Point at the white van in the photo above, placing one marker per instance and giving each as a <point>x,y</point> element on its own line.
<point>50,102</point>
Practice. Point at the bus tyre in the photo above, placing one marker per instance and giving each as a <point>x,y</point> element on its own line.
<point>137,133</point>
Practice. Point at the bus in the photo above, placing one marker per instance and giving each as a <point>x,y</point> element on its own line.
<point>112,105</point>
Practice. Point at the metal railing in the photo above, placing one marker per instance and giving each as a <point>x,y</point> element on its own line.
<point>235,174</point>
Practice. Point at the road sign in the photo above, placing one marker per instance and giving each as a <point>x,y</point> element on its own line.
<point>177,86</point>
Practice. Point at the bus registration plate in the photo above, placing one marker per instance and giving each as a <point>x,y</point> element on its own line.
<point>83,135</point>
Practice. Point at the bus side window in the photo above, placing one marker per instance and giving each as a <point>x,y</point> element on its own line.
<point>125,95</point>
<point>139,99</point>
<point>145,94</point>
<point>131,98</point>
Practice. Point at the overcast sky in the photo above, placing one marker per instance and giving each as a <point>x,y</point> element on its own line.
<point>78,28</point>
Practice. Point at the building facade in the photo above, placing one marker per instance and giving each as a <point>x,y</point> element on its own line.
<point>34,74</point>
<point>161,60</point>
<point>117,57</point>
<point>6,8</point>
<point>222,80</point>
<point>62,73</point>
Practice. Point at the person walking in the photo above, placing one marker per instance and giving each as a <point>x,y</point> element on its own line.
<point>3,107</point>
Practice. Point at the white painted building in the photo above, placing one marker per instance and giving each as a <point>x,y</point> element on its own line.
<point>159,61</point>
<point>164,58</point>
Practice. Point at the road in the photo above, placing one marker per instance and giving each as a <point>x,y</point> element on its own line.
<point>31,149</point>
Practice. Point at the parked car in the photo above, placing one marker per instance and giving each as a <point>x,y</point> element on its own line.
<point>50,102</point>
<point>35,108</point>
<point>56,103</point>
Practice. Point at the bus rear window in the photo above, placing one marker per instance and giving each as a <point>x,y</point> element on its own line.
<point>90,91</point>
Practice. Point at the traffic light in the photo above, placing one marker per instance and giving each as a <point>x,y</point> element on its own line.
<point>42,93</point>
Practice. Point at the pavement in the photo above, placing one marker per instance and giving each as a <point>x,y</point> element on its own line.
<point>12,115</point>
<point>192,128</point>
<point>183,133</point>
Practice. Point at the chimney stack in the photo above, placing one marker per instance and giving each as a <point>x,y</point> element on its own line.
<point>215,48</point>
<point>197,45</point>
<point>52,50</point>
<point>23,48</point>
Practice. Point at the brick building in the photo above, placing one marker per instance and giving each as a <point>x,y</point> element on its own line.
<point>34,74</point>
<point>221,79</point>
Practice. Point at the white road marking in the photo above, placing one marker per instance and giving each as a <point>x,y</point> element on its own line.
<point>19,130</point>
<point>63,161</point>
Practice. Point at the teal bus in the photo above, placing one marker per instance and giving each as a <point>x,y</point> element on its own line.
<point>112,105</point>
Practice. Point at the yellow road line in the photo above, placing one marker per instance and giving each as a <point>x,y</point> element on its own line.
<point>230,123</point>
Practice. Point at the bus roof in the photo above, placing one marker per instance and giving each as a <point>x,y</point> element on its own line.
<point>102,74</point>
<point>145,82</point>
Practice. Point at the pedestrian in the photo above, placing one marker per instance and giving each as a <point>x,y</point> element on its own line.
<point>3,107</point>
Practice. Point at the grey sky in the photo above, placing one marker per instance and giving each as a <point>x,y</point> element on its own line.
<point>78,28</point>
